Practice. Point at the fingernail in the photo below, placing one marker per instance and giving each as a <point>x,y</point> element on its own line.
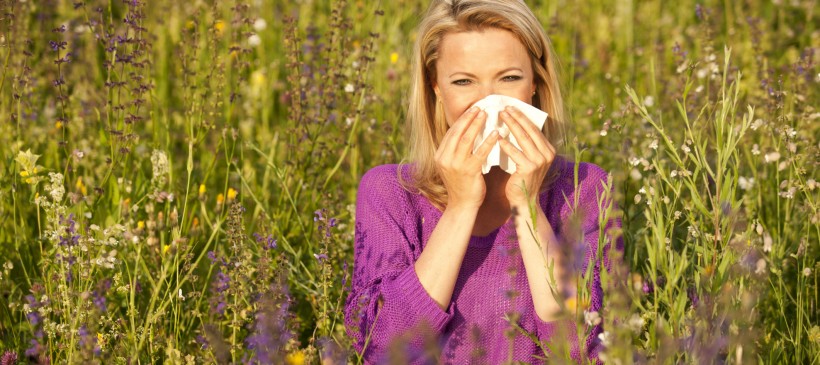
<point>473,109</point>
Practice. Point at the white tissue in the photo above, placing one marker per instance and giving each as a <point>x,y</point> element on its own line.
<point>492,105</point>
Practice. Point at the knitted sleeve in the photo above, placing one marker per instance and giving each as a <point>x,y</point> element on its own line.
<point>592,205</point>
<point>386,299</point>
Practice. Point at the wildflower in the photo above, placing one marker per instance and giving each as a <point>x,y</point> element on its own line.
<point>260,24</point>
<point>9,358</point>
<point>180,296</point>
<point>101,340</point>
<point>58,124</point>
<point>231,194</point>
<point>811,184</point>
<point>760,266</point>
<point>606,338</point>
<point>394,57</point>
<point>746,183</point>
<point>254,40</point>
<point>219,26</point>
<point>592,318</point>
<point>295,358</point>
<point>201,190</point>
<point>320,257</point>
<point>635,174</point>
<point>755,149</point>
<point>756,124</point>
<point>603,133</point>
<point>807,272</point>
<point>349,88</point>
<point>772,156</point>
<point>165,249</point>
<point>649,101</point>
<point>220,199</point>
<point>635,323</point>
<point>80,186</point>
<point>141,225</point>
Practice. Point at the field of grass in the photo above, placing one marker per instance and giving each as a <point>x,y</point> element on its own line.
<point>178,179</point>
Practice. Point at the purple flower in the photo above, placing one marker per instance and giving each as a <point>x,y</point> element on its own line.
<point>212,257</point>
<point>648,288</point>
<point>35,350</point>
<point>320,257</point>
<point>9,358</point>
<point>693,296</point>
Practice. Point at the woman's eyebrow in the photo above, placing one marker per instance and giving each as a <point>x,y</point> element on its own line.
<point>498,73</point>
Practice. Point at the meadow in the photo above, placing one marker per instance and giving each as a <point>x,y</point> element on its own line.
<point>178,179</point>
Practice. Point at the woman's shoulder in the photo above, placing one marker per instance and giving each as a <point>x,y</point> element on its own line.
<point>383,175</point>
<point>385,179</point>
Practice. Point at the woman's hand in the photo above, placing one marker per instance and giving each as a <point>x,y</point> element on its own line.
<point>458,166</point>
<point>532,161</point>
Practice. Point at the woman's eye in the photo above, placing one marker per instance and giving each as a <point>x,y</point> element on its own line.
<point>512,78</point>
<point>461,82</point>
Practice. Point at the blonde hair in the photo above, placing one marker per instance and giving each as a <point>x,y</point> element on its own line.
<point>426,125</point>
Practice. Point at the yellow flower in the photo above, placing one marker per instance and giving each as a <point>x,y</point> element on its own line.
<point>24,173</point>
<point>295,358</point>
<point>29,181</point>
<point>220,198</point>
<point>140,224</point>
<point>80,186</point>
<point>231,194</point>
<point>58,124</point>
<point>394,57</point>
<point>165,249</point>
<point>101,340</point>
<point>201,189</point>
<point>189,24</point>
<point>219,26</point>
<point>195,223</point>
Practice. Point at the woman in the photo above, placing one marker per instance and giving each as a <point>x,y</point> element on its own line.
<point>440,247</point>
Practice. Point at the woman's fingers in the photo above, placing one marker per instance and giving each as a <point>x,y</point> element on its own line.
<point>456,131</point>
<point>484,149</point>
<point>528,136</point>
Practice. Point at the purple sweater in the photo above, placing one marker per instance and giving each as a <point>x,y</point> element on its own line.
<point>388,312</point>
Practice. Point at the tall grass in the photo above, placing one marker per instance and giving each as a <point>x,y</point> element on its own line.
<point>178,180</point>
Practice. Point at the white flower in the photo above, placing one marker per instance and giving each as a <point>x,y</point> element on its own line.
<point>654,144</point>
<point>181,297</point>
<point>760,267</point>
<point>649,101</point>
<point>638,198</point>
<point>772,156</point>
<point>606,338</point>
<point>56,188</point>
<point>677,214</point>
<point>592,318</point>
<point>260,25</point>
<point>811,184</point>
<point>745,183</point>
<point>254,40</point>
<point>699,89</point>
<point>685,149</point>
<point>349,88</point>
<point>635,323</point>
<point>603,133</point>
<point>635,174</point>
<point>755,149</point>
<point>642,190</point>
<point>673,173</point>
<point>807,272</point>
<point>756,124</point>
<point>767,242</point>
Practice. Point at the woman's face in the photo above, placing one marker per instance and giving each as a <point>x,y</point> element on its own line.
<point>474,64</point>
